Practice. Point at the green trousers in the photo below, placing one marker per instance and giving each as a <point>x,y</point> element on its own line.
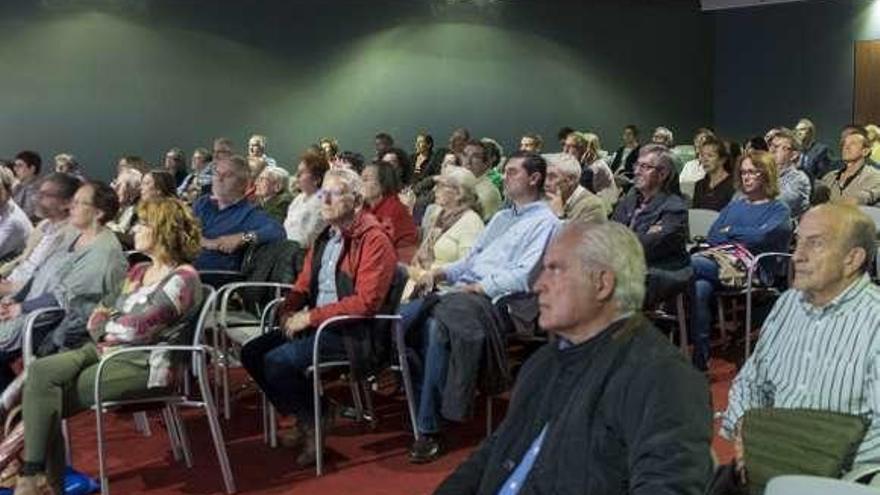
<point>61,385</point>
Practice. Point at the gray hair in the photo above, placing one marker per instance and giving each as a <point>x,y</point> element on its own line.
<point>277,175</point>
<point>564,164</point>
<point>663,156</point>
<point>350,179</point>
<point>786,133</point>
<point>668,138</point>
<point>614,247</point>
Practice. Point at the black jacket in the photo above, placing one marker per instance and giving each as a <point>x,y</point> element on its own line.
<point>629,165</point>
<point>662,228</point>
<point>626,414</point>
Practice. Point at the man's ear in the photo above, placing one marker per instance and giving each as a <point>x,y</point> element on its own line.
<point>853,260</point>
<point>605,283</point>
<point>534,179</point>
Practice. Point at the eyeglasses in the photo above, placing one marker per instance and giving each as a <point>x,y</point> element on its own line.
<point>751,173</point>
<point>647,166</point>
<point>330,193</point>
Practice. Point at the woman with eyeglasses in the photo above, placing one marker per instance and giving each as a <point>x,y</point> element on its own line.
<point>156,303</point>
<point>752,224</point>
<point>85,269</point>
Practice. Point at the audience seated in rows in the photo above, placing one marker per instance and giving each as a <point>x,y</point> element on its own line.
<point>15,226</point>
<point>153,306</point>
<point>794,184</point>
<point>499,264</point>
<point>857,182</point>
<point>757,222</point>
<point>473,157</point>
<point>453,226</point>
<point>271,194</point>
<point>715,190</point>
<point>229,222</point>
<point>84,270</point>
<point>568,199</point>
<point>818,347</point>
<point>54,201</point>
<point>27,172</point>
<point>694,171</point>
<point>348,270</point>
<point>381,183</point>
<point>659,218</point>
<point>304,220</point>
<point>609,406</point>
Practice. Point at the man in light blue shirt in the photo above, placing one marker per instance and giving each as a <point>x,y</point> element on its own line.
<point>498,264</point>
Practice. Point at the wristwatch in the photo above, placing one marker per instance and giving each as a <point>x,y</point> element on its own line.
<point>249,237</point>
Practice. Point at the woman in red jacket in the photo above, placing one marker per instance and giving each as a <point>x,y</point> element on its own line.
<point>381,185</point>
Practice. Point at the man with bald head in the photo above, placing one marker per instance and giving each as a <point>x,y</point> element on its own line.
<point>819,347</point>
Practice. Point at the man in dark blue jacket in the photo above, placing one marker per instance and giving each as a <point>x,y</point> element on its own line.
<point>610,406</point>
<point>229,222</point>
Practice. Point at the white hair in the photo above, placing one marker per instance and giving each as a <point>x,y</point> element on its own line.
<point>277,175</point>
<point>668,138</point>
<point>565,164</point>
<point>614,247</point>
<point>349,178</point>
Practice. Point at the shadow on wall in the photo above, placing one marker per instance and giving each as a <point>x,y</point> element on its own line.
<point>100,86</point>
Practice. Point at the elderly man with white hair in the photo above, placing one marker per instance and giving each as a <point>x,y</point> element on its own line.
<point>271,192</point>
<point>348,270</point>
<point>566,197</point>
<point>609,406</point>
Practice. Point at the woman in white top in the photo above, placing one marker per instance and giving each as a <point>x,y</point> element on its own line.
<point>15,227</point>
<point>304,221</point>
<point>693,172</point>
<point>453,226</point>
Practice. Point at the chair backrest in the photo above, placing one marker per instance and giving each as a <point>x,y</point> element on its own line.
<point>813,485</point>
<point>700,221</point>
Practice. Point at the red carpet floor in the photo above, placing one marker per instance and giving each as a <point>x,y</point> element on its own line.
<point>358,460</point>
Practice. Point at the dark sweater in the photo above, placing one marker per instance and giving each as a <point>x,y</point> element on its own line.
<point>625,414</point>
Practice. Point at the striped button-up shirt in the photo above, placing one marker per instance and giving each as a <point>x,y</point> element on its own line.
<point>812,357</point>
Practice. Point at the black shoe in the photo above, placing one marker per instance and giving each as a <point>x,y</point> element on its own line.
<point>426,449</point>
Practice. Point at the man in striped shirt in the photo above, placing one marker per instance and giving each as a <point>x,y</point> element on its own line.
<point>820,346</point>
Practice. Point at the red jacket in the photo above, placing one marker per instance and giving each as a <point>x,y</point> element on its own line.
<point>363,276</point>
<point>397,218</point>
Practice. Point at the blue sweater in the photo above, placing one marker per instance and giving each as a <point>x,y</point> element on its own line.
<point>234,219</point>
<point>759,227</point>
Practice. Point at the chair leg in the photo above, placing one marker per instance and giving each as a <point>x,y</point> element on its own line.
<point>316,396</point>
<point>682,324</point>
<point>273,426</point>
<point>357,398</point>
<point>227,408</point>
<point>489,424</point>
<point>102,468</point>
<point>216,432</point>
<point>173,436</point>
<point>68,450</point>
<point>182,436</point>
<point>400,343</point>
<point>722,325</point>
<point>369,413</point>
<point>142,423</point>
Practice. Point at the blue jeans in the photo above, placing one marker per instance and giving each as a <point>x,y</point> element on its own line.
<point>705,282</point>
<point>429,379</point>
<point>278,365</point>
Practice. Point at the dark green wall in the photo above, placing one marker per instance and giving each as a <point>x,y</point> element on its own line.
<point>775,64</point>
<point>102,78</point>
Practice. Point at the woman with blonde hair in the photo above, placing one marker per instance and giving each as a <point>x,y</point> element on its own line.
<point>453,226</point>
<point>156,300</point>
<point>603,179</point>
